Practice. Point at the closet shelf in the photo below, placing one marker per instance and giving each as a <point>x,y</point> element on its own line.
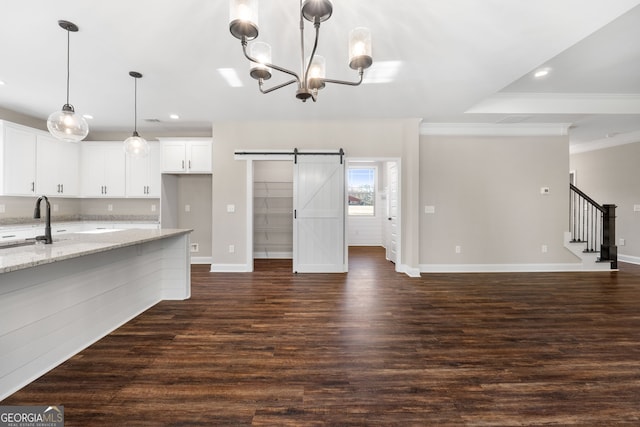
<point>273,215</point>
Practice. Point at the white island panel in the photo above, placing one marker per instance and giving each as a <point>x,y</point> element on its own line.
<point>64,303</point>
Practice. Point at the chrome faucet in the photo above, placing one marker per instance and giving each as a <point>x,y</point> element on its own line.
<point>47,229</point>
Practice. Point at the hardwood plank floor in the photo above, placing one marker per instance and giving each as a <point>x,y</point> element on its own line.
<point>371,347</point>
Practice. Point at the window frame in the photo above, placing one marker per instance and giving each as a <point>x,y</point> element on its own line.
<point>374,203</point>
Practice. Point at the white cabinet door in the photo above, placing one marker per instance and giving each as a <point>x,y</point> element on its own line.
<point>114,170</point>
<point>186,155</point>
<point>199,156</point>
<point>155,177</point>
<point>102,169</point>
<point>318,225</point>
<point>57,167</point>
<point>143,173</point>
<point>173,157</point>
<point>18,154</point>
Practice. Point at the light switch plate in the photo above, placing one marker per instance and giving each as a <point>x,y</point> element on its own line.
<point>231,208</point>
<point>429,209</point>
<point>636,208</point>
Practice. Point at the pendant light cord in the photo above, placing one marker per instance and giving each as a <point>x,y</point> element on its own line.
<point>135,106</point>
<point>68,69</point>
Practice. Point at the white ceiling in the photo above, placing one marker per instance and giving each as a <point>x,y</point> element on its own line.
<point>463,61</point>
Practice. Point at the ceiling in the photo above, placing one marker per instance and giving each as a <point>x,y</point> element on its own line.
<point>445,61</point>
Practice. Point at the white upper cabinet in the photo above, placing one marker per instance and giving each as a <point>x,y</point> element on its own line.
<point>186,155</point>
<point>102,169</point>
<point>57,167</point>
<point>17,160</point>
<point>143,174</point>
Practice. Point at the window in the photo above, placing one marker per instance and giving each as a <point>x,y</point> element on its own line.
<point>362,195</point>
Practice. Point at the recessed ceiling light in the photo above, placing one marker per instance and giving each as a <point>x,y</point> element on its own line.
<point>231,77</point>
<point>174,116</point>
<point>87,116</point>
<point>542,72</point>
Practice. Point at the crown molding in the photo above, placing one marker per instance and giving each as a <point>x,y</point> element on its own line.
<point>601,144</point>
<point>558,103</point>
<point>494,129</point>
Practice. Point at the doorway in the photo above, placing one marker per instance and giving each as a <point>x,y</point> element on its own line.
<point>296,209</point>
<point>373,218</point>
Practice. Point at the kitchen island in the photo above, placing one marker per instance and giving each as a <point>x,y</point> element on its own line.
<point>57,299</point>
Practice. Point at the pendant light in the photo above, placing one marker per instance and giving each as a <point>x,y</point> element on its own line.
<point>66,124</point>
<point>136,145</point>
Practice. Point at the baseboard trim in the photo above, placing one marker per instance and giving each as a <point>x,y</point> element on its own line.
<point>628,258</point>
<point>409,271</point>
<point>507,268</point>
<point>230,268</point>
<point>201,260</point>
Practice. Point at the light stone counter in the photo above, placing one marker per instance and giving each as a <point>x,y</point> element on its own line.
<point>72,245</point>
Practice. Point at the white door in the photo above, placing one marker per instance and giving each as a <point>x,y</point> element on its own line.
<point>318,226</point>
<point>392,212</point>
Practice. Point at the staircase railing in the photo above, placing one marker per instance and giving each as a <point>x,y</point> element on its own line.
<point>593,224</point>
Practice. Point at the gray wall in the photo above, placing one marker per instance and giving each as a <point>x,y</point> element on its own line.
<point>612,176</point>
<point>486,194</point>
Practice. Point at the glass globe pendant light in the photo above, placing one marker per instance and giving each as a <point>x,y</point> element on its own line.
<point>66,124</point>
<point>136,145</point>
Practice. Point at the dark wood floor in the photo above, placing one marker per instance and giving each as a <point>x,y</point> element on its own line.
<point>371,347</point>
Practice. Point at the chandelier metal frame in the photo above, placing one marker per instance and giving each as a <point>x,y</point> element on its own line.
<point>310,80</point>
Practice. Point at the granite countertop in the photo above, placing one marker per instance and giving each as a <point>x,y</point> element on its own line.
<point>73,245</point>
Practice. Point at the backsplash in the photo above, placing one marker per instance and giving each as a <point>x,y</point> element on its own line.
<point>19,210</point>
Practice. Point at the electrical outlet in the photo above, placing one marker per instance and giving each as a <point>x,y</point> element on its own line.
<point>2,209</point>
<point>110,207</point>
<point>458,249</point>
<point>232,249</point>
<point>187,208</point>
<point>153,208</point>
<point>544,191</point>
<point>545,249</point>
<point>55,207</point>
<point>622,242</point>
<point>231,208</point>
<point>429,209</point>
<point>195,247</point>
<point>636,208</point>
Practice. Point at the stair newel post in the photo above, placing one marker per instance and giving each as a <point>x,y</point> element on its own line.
<point>608,249</point>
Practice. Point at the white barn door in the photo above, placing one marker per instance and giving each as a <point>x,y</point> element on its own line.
<point>319,221</point>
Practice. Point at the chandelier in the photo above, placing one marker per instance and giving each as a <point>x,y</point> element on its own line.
<point>243,24</point>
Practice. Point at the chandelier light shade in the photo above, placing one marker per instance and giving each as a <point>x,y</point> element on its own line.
<point>360,48</point>
<point>243,24</point>
<point>135,145</point>
<point>243,19</point>
<point>65,124</point>
<point>317,72</point>
<point>262,52</point>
